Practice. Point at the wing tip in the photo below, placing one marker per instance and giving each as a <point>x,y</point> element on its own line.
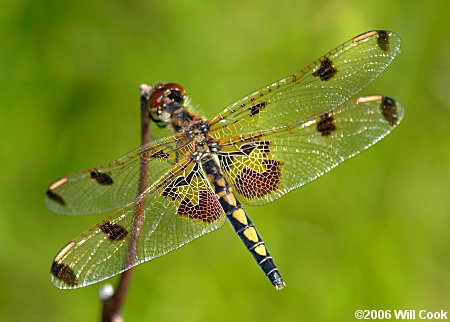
<point>387,40</point>
<point>62,276</point>
<point>391,109</point>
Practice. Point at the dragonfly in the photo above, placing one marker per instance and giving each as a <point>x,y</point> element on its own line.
<point>262,146</point>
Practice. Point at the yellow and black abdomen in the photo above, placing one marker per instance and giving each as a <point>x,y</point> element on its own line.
<point>241,223</point>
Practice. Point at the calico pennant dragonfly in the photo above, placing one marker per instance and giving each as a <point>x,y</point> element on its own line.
<point>276,139</point>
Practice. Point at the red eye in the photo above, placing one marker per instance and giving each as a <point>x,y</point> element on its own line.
<point>176,93</point>
<point>175,87</point>
<point>156,96</point>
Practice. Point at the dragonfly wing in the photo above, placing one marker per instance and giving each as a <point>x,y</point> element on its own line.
<point>180,207</point>
<point>262,166</point>
<point>318,88</point>
<point>110,186</point>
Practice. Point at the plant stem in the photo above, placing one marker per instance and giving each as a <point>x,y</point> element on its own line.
<point>112,306</point>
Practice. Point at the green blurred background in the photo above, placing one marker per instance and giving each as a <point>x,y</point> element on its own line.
<point>372,234</point>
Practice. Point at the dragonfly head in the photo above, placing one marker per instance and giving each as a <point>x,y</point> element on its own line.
<point>164,100</point>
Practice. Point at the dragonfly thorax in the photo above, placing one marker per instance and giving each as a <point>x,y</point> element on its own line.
<point>196,130</point>
<point>204,145</point>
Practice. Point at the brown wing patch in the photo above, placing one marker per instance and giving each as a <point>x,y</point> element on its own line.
<point>207,209</point>
<point>192,196</point>
<point>56,198</point>
<point>263,146</point>
<point>326,70</point>
<point>383,40</point>
<point>252,184</point>
<point>226,161</point>
<point>160,154</point>
<point>326,125</point>
<point>256,108</point>
<point>389,110</point>
<point>64,273</point>
<point>102,178</point>
<point>171,189</point>
<point>114,231</point>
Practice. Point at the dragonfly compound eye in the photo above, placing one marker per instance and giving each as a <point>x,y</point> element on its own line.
<point>174,87</point>
<point>175,93</point>
<point>154,102</point>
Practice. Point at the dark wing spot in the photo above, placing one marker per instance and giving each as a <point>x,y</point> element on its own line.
<point>64,273</point>
<point>170,192</point>
<point>102,178</point>
<point>227,159</point>
<point>207,210</point>
<point>252,184</point>
<point>264,146</point>
<point>192,173</point>
<point>55,197</point>
<point>255,109</point>
<point>389,110</point>
<point>160,154</point>
<point>248,148</point>
<point>383,40</point>
<point>225,162</point>
<point>326,124</point>
<point>326,70</point>
<point>171,189</point>
<point>114,231</point>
